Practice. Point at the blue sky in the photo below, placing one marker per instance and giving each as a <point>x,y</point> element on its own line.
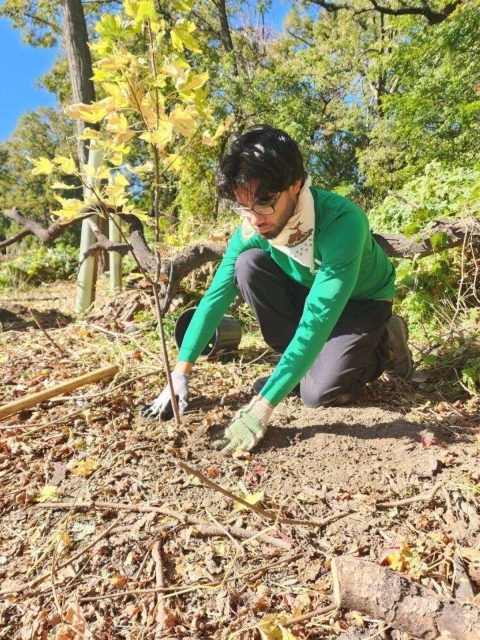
<point>21,65</point>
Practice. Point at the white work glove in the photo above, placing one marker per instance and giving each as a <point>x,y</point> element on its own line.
<point>161,407</point>
<point>246,429</point>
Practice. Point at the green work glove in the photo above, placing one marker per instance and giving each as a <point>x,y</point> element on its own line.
<point>246,429</point>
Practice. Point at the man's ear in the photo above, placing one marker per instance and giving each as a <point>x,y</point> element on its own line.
<point>296,186</point>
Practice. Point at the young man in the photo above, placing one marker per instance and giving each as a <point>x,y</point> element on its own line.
<point>321,288</point>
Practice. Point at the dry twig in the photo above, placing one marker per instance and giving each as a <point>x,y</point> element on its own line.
<point>63,351</point>
<point>204,527</point>
<point>44,576</point>
<point>267,515</point>
<point>160,580</point>
<point>400,503</point>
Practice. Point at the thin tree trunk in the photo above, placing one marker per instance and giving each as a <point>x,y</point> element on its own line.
<point>75,42</point>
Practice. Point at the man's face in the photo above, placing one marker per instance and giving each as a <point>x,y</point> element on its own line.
<point>269,226</point>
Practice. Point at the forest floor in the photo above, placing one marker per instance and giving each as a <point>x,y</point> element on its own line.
<point>170,556</point>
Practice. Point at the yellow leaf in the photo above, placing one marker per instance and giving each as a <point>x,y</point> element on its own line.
<point>356,616</point>
<point>90,112</point>
<point>252,498</point>
<point>141,169</point>
<point>181,36</point>
<point>120,180</point>
<point>116,122</point>
<point>64,540</point>
<point>150,115</point>
<point>191,82</point>
<point>174,161</point>
<point>89,171</point>
<point>402,559</point>
<point>111,88</point>
<point>71,206</point>
<point>183,5</point>
<point>48,494</point>
<point>41,166</point>
<point>210,140</point>
<point>67,165</point>
<point>184,119</point>
<point>83,468</point>
<point>270,628</point>
<point>62,185</point>
<point>143,216</point>
<point>90,134</point>
<point>161,137</point>
<point>146,9</point>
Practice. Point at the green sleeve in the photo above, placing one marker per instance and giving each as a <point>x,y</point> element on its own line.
<point>341,247</point>
<point>215,303</point>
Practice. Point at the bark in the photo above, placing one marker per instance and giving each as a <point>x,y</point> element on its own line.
<point>225,33</point>
<point>419,245</point>
<point>386,595</point>
<point>432,16</point>
<point>75,42</point>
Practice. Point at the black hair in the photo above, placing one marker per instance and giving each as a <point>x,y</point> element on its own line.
<point>263,153</point>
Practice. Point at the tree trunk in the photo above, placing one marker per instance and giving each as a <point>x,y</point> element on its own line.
<point>386,595</point>
<point>75,42</point>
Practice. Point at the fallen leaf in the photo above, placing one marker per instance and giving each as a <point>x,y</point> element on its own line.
<point>428,439</point>
<point>251,498</point>
<point>83,468</point>
<point>48,494</point>
<point>259,470</point>
<point>270,628</point>
<point>118,580</point>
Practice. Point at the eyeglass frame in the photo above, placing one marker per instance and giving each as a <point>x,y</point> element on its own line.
<point>247,211</point>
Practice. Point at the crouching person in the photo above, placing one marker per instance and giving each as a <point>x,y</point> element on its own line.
<point>320,286</point>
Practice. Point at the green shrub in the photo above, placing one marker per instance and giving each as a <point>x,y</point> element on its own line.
<point>39,264</point>
<point>441,192</point>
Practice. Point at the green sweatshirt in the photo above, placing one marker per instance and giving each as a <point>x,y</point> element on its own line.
<point>349,265</point>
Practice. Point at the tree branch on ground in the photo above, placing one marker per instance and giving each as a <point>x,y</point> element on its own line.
<point>194,256</point>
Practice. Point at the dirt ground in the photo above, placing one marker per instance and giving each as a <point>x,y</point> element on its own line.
<point>107,534</point>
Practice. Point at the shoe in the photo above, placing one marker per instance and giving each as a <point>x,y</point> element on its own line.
<point>400,362</point>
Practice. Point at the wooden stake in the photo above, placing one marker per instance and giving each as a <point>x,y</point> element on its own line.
<point>63,387</point>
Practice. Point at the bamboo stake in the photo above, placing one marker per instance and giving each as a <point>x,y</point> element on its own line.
<point>64,387</point>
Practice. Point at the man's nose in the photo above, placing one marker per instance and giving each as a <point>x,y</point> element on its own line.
<point>256,217</point>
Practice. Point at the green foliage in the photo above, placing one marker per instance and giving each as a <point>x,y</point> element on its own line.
<point>44,132</point>
<point>471,374</point>
<point>38,265</point>
<point>440,192</point>
<point>428,290</point>
<point>433,113</point>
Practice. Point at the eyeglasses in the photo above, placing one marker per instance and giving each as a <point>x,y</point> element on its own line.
<point>260,210</point>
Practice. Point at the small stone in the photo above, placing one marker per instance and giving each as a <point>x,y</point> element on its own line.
<point>429,467</point>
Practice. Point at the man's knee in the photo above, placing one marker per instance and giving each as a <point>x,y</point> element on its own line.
<point>247,264</point>
<point>315,396</point>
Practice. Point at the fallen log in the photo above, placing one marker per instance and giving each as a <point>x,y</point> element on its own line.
<point>64,387</point>
<point>386,595</point>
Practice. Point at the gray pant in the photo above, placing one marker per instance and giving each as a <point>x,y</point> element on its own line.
<point>355,352</point>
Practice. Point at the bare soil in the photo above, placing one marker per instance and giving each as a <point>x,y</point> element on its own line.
<point>354,466</point>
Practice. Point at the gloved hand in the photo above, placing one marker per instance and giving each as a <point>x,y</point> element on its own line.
<point>161,407</point>
<point>246,429</point>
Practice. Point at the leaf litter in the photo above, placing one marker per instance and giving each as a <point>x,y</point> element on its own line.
<point>88,488</point>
